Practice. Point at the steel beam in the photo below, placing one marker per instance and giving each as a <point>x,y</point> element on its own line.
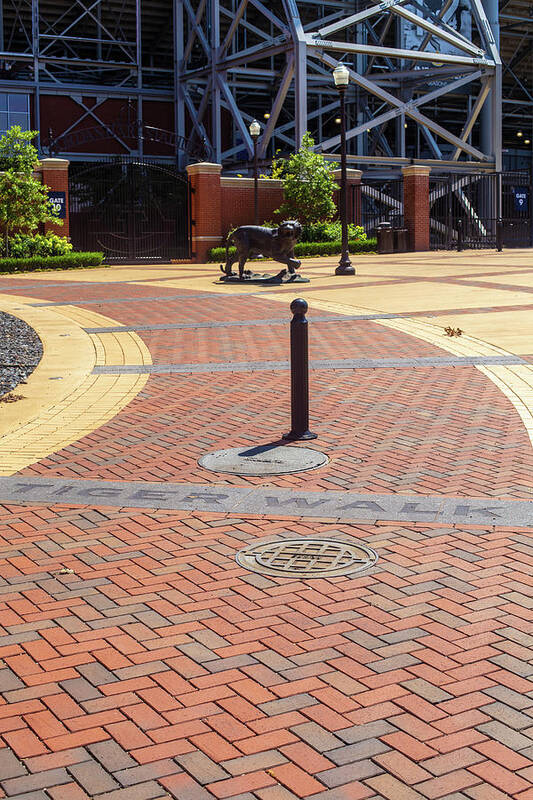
<point>354,19</point>
<point>408,109</point>
<point>277,106</point>
<point>491,118</point>
<point>395,52</point>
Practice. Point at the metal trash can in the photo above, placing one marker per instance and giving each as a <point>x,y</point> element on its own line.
<point>385,236</point>
<point>401,240</point>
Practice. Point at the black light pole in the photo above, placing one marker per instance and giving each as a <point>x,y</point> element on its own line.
<point>341,76</point>
<point>255,130</point>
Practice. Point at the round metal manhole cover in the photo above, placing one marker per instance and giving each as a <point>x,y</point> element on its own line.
<point>263,460</point>
<point>307,558</point>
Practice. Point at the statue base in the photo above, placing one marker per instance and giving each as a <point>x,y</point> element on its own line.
<point>282,277</point>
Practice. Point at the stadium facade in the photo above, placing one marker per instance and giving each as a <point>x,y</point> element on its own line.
<point>448,83</point>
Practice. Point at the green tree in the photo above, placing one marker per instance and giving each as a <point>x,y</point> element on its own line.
<point>308,184</point>
<point>24,200</point>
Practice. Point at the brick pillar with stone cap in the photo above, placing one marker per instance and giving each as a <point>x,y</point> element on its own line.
<point>416,206</point>
<point>54,174</point>
<point>206,209</point>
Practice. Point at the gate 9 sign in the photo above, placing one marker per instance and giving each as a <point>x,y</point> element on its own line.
<point>58,200</point>
<point>521,198</point>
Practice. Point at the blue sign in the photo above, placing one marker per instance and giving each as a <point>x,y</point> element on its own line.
<point>59,203</point>
<point>521,198</point>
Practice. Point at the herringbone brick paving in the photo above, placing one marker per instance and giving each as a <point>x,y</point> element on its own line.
<point>360,339</point>
<point>139,660</point>
<point>438,430</point>
<point>89,291</point>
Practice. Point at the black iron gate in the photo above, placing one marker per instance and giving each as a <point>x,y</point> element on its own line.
<point>466,208</point>
<point>132,210</point>
<point>517,213</point>
<point>381,201</point>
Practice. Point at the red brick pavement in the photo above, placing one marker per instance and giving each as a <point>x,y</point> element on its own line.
<point>138,660</point>
<point>77,293</point>
<point>159,667</point>
<point>463,437</point>
<point>442,430</point>
<point>346,339</point>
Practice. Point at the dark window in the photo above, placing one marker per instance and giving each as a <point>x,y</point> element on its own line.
<point>14,110</point>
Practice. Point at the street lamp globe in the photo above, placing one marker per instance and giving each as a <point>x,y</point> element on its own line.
<point>341,76</point>
<point>255,128</point>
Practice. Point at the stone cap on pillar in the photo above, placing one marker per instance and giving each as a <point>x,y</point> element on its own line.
<point>416,169</point>
<point>204,168</point>
<point>246,183</point>
<point>352,175</point>
<point>59,164</point>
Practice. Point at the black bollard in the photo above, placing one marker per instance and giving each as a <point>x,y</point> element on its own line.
<point>460,234</point>
<point>299,374</point>
<point>499,235</point>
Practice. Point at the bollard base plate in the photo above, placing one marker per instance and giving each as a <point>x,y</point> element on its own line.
<point>293,436</point>
<point>263,459</point>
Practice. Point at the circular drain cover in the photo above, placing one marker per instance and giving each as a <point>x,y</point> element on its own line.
<point>265,459</point>
<point>306,558</point>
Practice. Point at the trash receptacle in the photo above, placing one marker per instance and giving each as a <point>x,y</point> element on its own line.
<point>385,236</point>
<point>401,243</point>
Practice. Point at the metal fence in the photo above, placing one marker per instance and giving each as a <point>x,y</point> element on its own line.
<point>465,209</point>
<point>132,210</point>
<point>381,201</point>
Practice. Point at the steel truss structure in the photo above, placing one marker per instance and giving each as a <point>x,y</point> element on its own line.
<point>426,76</point>
<point>107,58</point>
<point>515,19</point>
<point>242,59</point>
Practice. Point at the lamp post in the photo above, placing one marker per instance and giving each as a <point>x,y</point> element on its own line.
<point>341,76</point>
<point>255,130</point>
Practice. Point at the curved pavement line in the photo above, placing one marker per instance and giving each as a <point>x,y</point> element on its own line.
<point>63,400</point>
<point>516,382</point>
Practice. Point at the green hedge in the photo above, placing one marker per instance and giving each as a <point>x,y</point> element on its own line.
<point>72,260</point>
<point>307,249</point>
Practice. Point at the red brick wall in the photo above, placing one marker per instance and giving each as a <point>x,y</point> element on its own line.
<point>238,201</point>
<point>221,203</point>
<point>416,206</point>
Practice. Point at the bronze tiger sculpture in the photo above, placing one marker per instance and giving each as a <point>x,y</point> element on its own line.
<point>252,240</point>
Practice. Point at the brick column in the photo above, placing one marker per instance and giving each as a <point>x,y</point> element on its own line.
<point>353,203</point>
<point>206,209</point>
<point>416,206</point>
<point>54,173</point>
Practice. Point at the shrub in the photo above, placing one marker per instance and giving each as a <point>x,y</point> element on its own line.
<point>306,249</point>
<point>331,232</point>
<point>23,245</point>
<point>70,261</point>
<point>24,200</point>
<point>308,184</point>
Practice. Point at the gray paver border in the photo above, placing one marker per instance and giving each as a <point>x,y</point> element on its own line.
<point>344,506</point>
<point>339,363</point>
